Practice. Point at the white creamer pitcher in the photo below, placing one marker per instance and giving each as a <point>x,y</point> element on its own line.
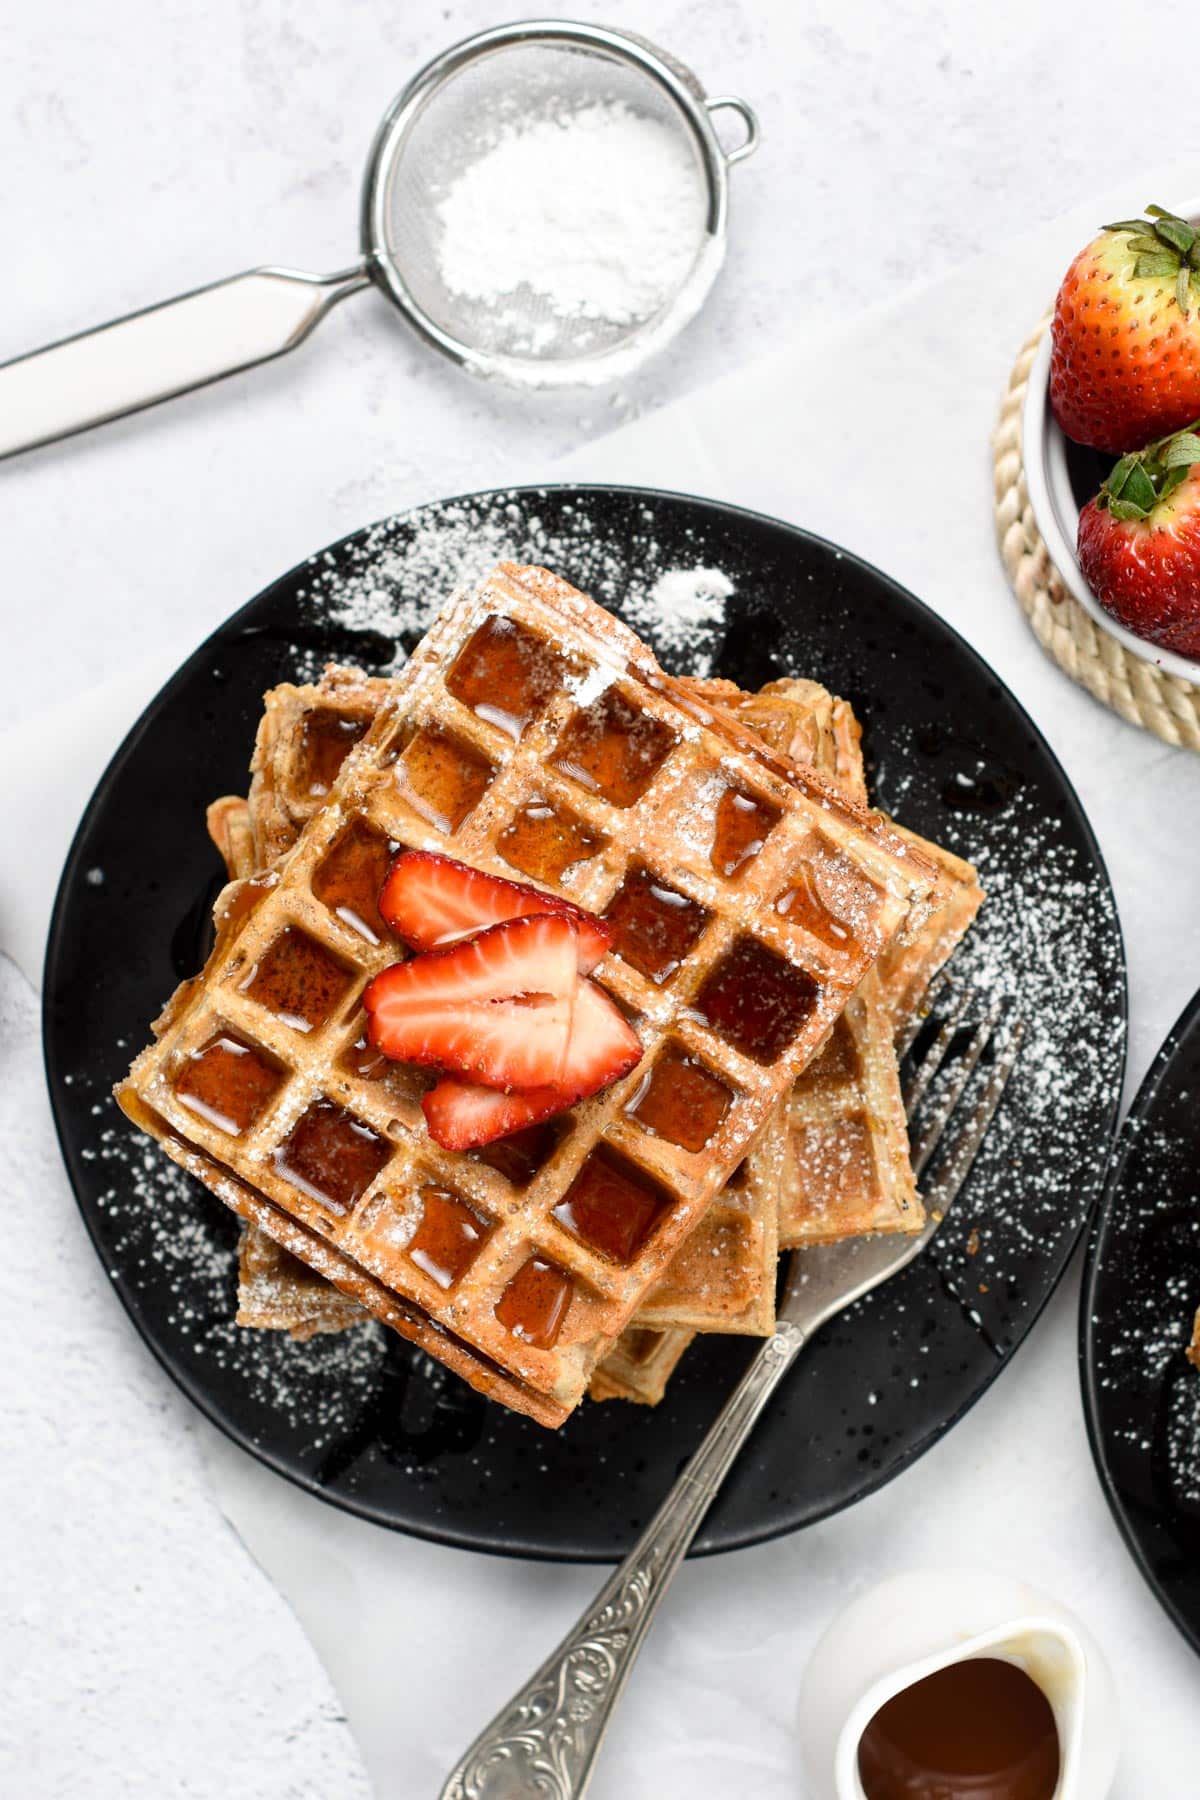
<point>915,1624</point>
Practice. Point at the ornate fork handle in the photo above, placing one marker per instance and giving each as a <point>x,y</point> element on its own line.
<point>544,1742</point>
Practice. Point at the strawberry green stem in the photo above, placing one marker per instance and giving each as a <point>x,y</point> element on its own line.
<point>1144,478</point>
<point>1166,248</point>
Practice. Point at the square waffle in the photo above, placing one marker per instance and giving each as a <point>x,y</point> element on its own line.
<point>530,732</point>
<point>725,1278</point>
<point>838,1157</point>
<point>838,1161</point>
<point>722,1278</point>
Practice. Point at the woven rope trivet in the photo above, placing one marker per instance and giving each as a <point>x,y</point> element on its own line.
<point>1140,692</point>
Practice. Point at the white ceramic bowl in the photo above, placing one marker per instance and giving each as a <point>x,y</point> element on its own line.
<point>1044,449</point>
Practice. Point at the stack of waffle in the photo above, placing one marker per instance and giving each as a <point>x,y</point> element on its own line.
<point>771,935</point>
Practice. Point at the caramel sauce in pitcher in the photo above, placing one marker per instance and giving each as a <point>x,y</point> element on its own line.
<point>980,1729</point>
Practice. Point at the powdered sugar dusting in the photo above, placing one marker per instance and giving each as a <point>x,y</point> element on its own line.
<point>1145,1294</point>
<point>160,1230</point>
<point>586,217</point>
<point>390,584</point>
<point>685,613</point>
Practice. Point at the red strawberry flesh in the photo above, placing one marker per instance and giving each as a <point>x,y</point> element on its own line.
<point>1139,543</point>
<point>603,1047</point>
<point>431,901</point>
<point>497,1007</point>
<point>462,1115</point>
<point>1125,339</point>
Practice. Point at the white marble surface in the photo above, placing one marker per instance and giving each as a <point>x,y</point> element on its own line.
<point>155,147</point>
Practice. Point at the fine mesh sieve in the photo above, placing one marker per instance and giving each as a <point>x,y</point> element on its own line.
<point>507,83</point>
<point>540,302</point>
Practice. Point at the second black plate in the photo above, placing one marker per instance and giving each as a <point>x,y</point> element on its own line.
<point>1140,1294</point>
<point>361,1419</point>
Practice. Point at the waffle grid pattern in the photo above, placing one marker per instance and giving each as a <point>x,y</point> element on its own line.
<point>407,781</point>
<point>722,1278</point>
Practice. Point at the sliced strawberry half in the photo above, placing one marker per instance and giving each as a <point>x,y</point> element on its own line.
<point>462,1115</point>
<point>498,1006</point>
<point>431,900</point>
<point>603,1046</point>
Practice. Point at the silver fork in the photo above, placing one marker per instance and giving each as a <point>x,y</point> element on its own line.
<point>545,1741</point>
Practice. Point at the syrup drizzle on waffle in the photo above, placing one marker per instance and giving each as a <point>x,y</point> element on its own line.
<point>835,1165</point>
<point>609,737</point>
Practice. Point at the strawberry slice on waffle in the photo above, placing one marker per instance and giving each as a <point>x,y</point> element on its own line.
<point>497,1006</point>
<point>498,996</point>
<point>431,900</point>
<point>603,1046</point>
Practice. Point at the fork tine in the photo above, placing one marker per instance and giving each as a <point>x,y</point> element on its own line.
<point>941,1195</point>
<point>921,1077</point>
<point>908,1036</point>
<point>951,1093</point>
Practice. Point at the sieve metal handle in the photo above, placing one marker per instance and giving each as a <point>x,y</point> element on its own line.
<point>165,350</point>
<point>749,118</point>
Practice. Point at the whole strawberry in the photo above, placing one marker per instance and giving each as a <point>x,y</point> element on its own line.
<point>1125,361</point>
<point>1139,543</point>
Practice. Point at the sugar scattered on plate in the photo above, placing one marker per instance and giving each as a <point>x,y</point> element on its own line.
<point>392,583</point>
<point>683,612</point>
<point>1038,944</point>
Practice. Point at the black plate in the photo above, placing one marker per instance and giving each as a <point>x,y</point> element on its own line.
<point>366,1422</point>
<point>1140,1293</point>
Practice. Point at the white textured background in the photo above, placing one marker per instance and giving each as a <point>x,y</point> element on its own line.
<point>153,145</point>
<point>146,148</point>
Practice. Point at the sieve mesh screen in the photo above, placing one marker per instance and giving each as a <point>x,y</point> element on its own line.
<point>548,202</point>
